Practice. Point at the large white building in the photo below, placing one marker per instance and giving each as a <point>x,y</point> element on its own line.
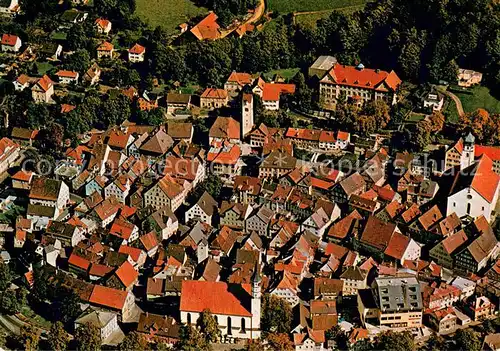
<point>358,83</point>
<point>236,307</point>
<point>474,190</point>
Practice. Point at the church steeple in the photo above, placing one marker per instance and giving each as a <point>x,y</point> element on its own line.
<point>255,302</point>
<point>256,282</point>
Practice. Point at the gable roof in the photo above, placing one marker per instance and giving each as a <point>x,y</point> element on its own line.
<point>397,246</point>
<point>9,39</point>
<point>218,297</point>
<point>127,274</point>
<point>480,177</point>
<point>454,241</point>
<point>225,127</point>
<point>377,233</point>
<point>207,28</point>
<point>108,297</point>
<point>361,77</point>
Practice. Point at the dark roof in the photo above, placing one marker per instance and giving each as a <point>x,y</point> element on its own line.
<point>377,233</point>
<point>174,98</point>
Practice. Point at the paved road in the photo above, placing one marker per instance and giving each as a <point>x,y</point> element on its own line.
<point>457,101</point>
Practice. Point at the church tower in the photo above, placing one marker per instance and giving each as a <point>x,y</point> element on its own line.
<point>255,303</point>
<point>468,151</point>
<point>246,114</point>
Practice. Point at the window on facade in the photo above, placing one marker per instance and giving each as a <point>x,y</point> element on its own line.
<point>243,330</point>
<point>229,326</point>
<point>189,318</point>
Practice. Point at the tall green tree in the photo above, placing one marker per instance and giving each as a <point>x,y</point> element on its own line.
<point>468,340</point>
<point>132,342</point>
<point>190,339</point>
<point>29,338</point>
<point>5,276</point>
<point>88,338</point>
<point>209,326</point>
<point>276,314</point>
<point>58,338</point>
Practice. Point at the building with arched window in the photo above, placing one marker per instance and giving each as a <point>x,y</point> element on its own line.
<point>235,307</point>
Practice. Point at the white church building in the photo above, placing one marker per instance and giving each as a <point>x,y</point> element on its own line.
<point>235,307</point>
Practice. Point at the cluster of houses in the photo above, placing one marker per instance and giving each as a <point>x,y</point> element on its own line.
<point>400,240</point>
<point>410,249</point>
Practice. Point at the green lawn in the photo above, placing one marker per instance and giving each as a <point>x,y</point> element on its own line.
<point>480,99</point>
<point>167,13</point>
<point>43,67</point>
<point>288,73</point>
<point>311,19</point>
<point>286,6</point>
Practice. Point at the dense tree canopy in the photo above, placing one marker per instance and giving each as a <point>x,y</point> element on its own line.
<point>276,314</point>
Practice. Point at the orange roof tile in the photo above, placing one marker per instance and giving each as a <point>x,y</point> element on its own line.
<point>9,39</point>
<point>105,46</point>
<point>127,274</point>
<point>214,93</point>
<point>397,246</point>
<point>454,241</point>
<point>108,297</point>
<point>133,252</point>
<point>137,49</point>
<point>240,78</point>
<point>485,180</point>
<point>67,74</point>
<point>272,91</point>
<point>78,261</point>
<point>149,241</point>
<point>365,78</point>
<point>492,152</point>
<point>45,83</point>
<point>218,297</point>
<point>207,28</point>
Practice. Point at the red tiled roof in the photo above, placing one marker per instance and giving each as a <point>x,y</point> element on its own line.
<point>108,297</point>
<point>485,180</point>
<point>454,241</point>
<point>23,79</point>
<point>78,261</point>
<point>149,241</point>
<point>492,152</point>
<point>22,176</point>
<point>122,228</point>
<point>99,270</point>
<point>137,49</point>
<point>133,252</point>
<point>105,46</point>
<point>65,108</point>
<point>214,93</point>
<point>364,78</point>
<point>68,74</point>
<point>45,83</point>
<point>103,23</point>
<point>9,39</point>
<point>207,28</point>
<point>218,297</point>
<point>377,233</point>
<point>397,246</point>
<point>240,78</point>
<point>272,91</point>
<point>321,184</point>
<point>127,274</point>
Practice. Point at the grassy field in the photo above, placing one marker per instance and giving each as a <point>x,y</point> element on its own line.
<point>311,19</point>
<point>167,13</point>
<point>288,73</point>
<point>286,6</point>
<point>481,98</point>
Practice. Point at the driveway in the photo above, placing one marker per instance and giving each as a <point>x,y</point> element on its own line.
<point>457,101</point>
